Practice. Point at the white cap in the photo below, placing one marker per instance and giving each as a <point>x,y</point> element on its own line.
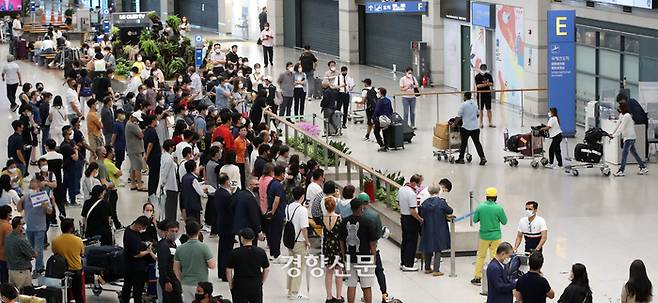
<point>138,116</point>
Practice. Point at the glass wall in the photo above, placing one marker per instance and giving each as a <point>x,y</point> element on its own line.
<point>608,59</point>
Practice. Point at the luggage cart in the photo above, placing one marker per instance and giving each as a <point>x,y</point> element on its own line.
<point>536,146</point>
<point>575,166</point>
<point>357,111</point>
<point>454,143</point>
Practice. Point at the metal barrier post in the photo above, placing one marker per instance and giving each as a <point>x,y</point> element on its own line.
<point>349,171</point>
<point>522,109</point>
<point>305,144</point>
<point>470,206</point>
<point>452,247</point>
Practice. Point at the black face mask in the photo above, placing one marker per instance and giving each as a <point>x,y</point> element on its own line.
<point>199,297</point>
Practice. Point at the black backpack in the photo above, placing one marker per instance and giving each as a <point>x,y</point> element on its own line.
<point>371,100</point>
<point>289,236</point>
<point>56,267</point>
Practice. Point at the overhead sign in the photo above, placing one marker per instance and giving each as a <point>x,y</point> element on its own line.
<point>407,7</point>
<point>648,4</point>
<point>482,14</point>
<point>456,9</point>
<point>131,20</point>
<point>562,68</point>
<point>198,57</point>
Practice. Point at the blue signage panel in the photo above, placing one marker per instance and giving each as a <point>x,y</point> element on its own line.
<point>482,14</point>
<point>561,55</point>
<point>198,57</point>
<point>106,27</point>
<point>407,7</point>
<point>33,7</point>
<point>198,40</point>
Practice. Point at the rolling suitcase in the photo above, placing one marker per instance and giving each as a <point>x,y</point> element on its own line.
<point>21,50</point>
<point>333,122</point>
<point>408,133</point>
<point>395,136</point>
<point>317,92</point>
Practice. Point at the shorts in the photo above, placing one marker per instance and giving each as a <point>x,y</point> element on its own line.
<point>484,103</point>
<point>369,118</point>
<point>95,142</point>
<point>136,161</point>
<point>363,274</point>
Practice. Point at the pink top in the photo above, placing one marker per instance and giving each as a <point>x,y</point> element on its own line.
<point>263,182</point>
<point>407,85</point>
<point>267,36</point>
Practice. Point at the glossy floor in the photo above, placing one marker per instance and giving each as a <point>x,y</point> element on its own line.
<point>604,223</point>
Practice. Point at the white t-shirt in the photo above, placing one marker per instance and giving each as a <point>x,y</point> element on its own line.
<point>408,199</point>
<point>532,229</point>
<point>47,44</point>
<point>178,153</point>
<point>312,191</point>
<point>233,173</point>
<point>11,70</point>
<point>71,96</point>
<point>17,28</point>
<point>299,218</point>
<point>8,198</point>
<point>555,127</point>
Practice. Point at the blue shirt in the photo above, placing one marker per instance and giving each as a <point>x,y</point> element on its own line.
<point>383,108</point>
<point>120,131</point>
<point>35,217</point>
<point>221,101</point>
<point>275,189</point>
<point>199,124</point>
<point>468,111</point>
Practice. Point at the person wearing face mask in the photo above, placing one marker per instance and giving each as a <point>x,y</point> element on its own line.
<point>555,133</point>
<point>137,253</point>
<point>330,75</point>
<point>204,293</point>
<point>383,107</point>
<point>223,224</point>
<point>532,228</point>
<point>139,64</point>
<point>89,181</point>
<point>35,219</point>
<point>467,115</point>
<point>135,81</point>
<point>409,85</point>
<point>246,211</point>
<point>578,290</point>
<point>216,59</point>
<point>484,82</point>
<point>299,93</point>
<point>72,249</point>
<point>197,86</point>
<point>344,84</point>
<point>490,215</point>
<point>267,38</point>
<point>19,254</point>
<point>168,283</point>
<point>256,77</point>
<point>110,60</point>
<point>118,138</point>
<point>499,285</point>
<point>70,159</point>
<point>286,84</point>
<point>102,85</point>
<point>435,234</point>
<point>223,93</point>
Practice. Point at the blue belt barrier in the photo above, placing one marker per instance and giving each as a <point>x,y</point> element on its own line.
<point>464,217</point>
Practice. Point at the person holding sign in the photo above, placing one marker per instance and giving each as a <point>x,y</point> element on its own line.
<point>37,204</point>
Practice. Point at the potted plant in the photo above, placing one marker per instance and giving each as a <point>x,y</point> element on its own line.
<point>68,16</point>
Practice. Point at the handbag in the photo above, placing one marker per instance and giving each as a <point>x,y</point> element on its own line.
<point>278,98</point>
<point>259,42</point>
<point>416,90</point>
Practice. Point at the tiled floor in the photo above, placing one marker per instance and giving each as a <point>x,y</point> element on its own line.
<point>604,223</point>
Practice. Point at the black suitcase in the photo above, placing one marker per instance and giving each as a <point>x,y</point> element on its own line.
<point>588,152</point>
<point>395,136</point>
<point>317,92</point>
<point>408,133</point>
<point>51,294</point>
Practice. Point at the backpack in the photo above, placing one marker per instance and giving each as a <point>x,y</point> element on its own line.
<point>594,135</point>
<point>513,268</point>
<point>289,236</point>
<point>56,267</point>
<point>371,100</point>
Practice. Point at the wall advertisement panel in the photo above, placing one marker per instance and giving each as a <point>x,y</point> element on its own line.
<point>510,53</point>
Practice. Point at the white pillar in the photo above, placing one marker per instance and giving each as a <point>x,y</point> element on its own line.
<point>433,34</point>
<point>275,18</point>
<point>166,8</point>
<point>348,31</point>
<point>536,103</point>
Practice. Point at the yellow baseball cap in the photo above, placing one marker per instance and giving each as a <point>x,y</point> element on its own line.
<point>491,192</point>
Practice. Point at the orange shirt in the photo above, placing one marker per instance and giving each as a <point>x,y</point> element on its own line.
<point>5,229</point>
<point>240,149</point>
<point>94,124</point>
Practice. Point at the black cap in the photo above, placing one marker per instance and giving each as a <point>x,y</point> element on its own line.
<point>247,233</point>
<point>97,190</point>
<point>119,111</point>
<point>356,203</point>
<point>367,81</point>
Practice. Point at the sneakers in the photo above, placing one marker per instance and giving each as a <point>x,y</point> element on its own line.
<point>297,297</point>
<point>483,162</point>
<point>382,149</point>
<point>344,126</point>
<point>619,174</point>
<point>476,281</point>
<point>643,171</point>
<point>437,274</point>
<point>405,268</point>
<point>366,138</point>
<point>460,161</point>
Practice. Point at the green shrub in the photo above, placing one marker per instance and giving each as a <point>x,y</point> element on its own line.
<point>123,68</point>
<point>149,47</point>
<point>174,22</point>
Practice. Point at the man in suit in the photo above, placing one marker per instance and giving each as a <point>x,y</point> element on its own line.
<point>224,219</point>
<point>499,285</point>
<point>246,211</point>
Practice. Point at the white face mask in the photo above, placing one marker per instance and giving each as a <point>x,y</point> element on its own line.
<point>194,113</point>
<point>507,260</point>
<point>180,79</point>
<point>482,72</point>
<point>243,121</point>
<point>333,68</point>
<point>44,168</point>
<point>290,69</point>
<point>257,70</point>
<point>378,96</point>
<point>549,115</point>
<point>13,170</point>
<point>529,213</point>
<point>148,213</point>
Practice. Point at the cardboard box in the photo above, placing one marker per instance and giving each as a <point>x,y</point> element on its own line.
<point>439,143</point>
<point>441,130</point>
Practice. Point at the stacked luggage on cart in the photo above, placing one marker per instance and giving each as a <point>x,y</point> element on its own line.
<point>103,264</point>
<point>589,153</point>
<point>526,146</point>
<point>447,140</point>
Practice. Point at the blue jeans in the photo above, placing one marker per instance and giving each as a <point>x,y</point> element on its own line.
<point>629,144</point>
<point>72,178</point>
<point>409,109</point>
<point>36,239</point>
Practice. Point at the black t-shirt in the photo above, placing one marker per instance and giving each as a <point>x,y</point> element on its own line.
<point>101,87</point>
<point>151,136</point>
<point>232,57</point>
<point>97,219</point>
<point>132,246</point>
<point>15,145</point>
<point>307,59</point>
<point>247,263</point>
<point>259,164</point>
<point>480,79</point>
<point>66,149</point>
<point>533,288</point>
<point>79,139</point>
<point>27,130</point>
<point>357,233</point>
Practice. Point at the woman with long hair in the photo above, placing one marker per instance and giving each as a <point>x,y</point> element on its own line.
<point>89,180</point>
<point>331,251</point>
<point>578,290</point>
<point>58,118</point>
<point>555,133</point>
<point>626,130</point>
<point>299,93</point>
<point>8,195</point>
<point>638,289</point>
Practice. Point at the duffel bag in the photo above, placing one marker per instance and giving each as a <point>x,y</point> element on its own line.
<point>589,153</point>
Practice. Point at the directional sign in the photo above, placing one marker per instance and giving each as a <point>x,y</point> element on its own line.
<point>198,39</point>
<point>106,12</point>
<point>198,57</point>
<point>33,7</point>
<point>106,27</point>
<point>407,7</point>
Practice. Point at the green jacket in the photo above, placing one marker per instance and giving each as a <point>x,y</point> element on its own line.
<point>490,215</point>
